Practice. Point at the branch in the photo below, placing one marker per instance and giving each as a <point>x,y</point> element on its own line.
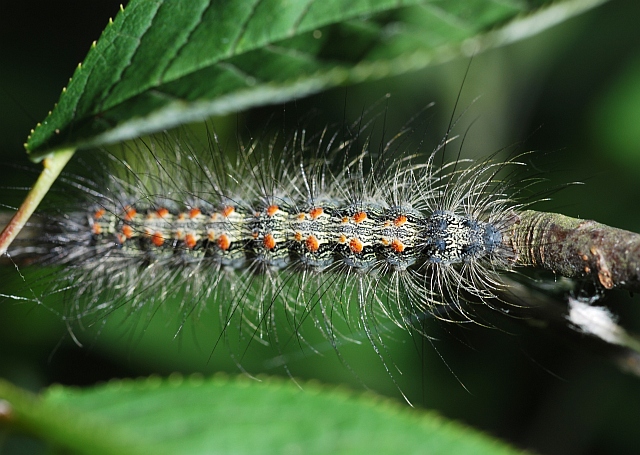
<point>576,248</point>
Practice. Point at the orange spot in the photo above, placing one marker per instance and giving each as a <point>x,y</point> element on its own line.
<point>312,244</point>
<point>397,246</point>
<point>228,210</point>
<point>385,241</point>
<point>127,231</point>
<point>387,223</point>
<point>157,239</point>
<point>298,236</point>
<point>97,229</point>
<point>179,234</point>
<point>355,245</point>
<point>194,213</point>
<point>255,235</point>
<point>342,239</point>
<point>211,235</point>
<point>162,212</point>
<point>269,242</point>
<point>129,213</point>
<point>345,220</point>
<point>272,209</point>
<point>359,217</point>
<point>223,242</point>
<point>400,220</point>
<point>121,238</point>
<point>182,217</point>
<point>99,214</point>
<point>300,216</point>
<point>315,213</point>
<point>190,241</point>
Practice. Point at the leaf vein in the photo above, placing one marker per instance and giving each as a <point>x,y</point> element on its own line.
<point>446,16</point>
<point>165,95</point>
<point>184,43</point>
<point>243,27</point>
<point>127,65</point>
<point>295,53</point>
<point>249,79</point>
<point>298,21</point>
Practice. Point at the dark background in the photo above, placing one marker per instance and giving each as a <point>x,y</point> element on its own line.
<point>571,93</point>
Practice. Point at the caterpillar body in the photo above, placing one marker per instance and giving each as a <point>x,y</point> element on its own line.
<point>277,237</point>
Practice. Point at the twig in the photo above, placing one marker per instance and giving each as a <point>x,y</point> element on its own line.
<point>576,248</point>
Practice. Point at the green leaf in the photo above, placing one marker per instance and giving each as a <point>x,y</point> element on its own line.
<point>167,62</point>
<point>241,415</point>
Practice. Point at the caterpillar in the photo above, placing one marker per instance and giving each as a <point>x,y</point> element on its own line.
<point>284,237</point>
<point>283,230</point>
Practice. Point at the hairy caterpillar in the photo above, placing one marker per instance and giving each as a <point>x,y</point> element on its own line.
<point>284,300</point>
<point>283,230</point>
<point>281,236</point>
